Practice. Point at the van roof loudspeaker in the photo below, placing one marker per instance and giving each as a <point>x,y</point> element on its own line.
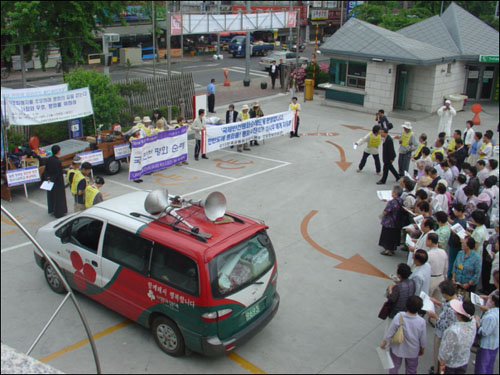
<point>156,201</point>
<point>215,206</point>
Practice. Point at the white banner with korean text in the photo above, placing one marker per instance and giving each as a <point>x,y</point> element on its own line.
<point>218,137</point>
<point>158,152</point>
<point>95,157</point>
<point>45,109</point>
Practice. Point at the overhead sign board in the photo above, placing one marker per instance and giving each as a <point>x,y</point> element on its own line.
<point>488,59</point>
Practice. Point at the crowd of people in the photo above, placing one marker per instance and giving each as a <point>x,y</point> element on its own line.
<point>445,215</point>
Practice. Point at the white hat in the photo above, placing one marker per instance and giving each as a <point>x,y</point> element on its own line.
<point>134,130</point>
<point>245,106</point>
<point>407,125</point>
<point>447,101</point>
<point>146,119</point>
<point>137,120</point>
<point>442,181</point>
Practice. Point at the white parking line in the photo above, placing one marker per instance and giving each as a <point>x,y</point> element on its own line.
<point>124,185</point>
<point>236,179</point>
<point>211,173</point>
<point>38,204</point>
<point>16,246</point>
<point>243,72</point>
<point>257,157</point>
<point>162,72</point>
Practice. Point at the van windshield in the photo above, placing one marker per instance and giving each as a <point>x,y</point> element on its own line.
<point>237,40</point>
<point>241,265</point>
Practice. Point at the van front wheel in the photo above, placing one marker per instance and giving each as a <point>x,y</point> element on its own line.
<point>168,337</point>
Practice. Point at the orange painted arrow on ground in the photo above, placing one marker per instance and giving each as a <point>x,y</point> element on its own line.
<point>343,164</point>
<point>356,263</point>
<point>356,127</point>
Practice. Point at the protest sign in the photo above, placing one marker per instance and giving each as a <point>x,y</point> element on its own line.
<point>93,157</point>
<point>45,109</point>
<point>158,152</point>
<point>218,137</point>
<point>22,176</point>
<point>121,151</point>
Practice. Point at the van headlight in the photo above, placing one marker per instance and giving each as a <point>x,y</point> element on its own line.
<point>239,48</point>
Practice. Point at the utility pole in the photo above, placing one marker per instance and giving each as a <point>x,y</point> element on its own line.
<point>297,42</point>
<point>169,55</point>
<point>290,36</point>
<point>246,82</point>
<point>218,33</point>
<point>155,92</point>
<point>442,6</point>
<point>23,65</point>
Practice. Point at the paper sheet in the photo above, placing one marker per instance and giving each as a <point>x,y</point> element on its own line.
<point>409,175</point>
<point>428,304</point>
<point>385,358</point>
<point>409,241</point>
<point>459,230</point>
<point>47,185</point>
<point>354,146</point>
<point>409,261</point>
<point>476,300</point>
<point>384,195</point>
<point>409,211</point>
<point>418,219</point>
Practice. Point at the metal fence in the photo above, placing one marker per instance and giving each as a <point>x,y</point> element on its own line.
<point>178,91</point>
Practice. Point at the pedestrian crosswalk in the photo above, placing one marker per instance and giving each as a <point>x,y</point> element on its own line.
<point>240,69</point>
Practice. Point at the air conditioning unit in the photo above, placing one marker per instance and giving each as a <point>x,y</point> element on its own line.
<point>112,37</point>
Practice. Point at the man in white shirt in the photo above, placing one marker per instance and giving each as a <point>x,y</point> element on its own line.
<point>446,173</point>
<point>492,167</point>
<point>460,196</point>
<point>482,171</point>
<point>438,259</point>
<point>421,275</point>
<point>426,228</point>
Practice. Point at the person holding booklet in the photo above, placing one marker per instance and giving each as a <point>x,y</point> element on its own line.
<point>415,337</point>
<point>467,266</point>
<point>56,197</point>
<point>454,242</point>
<point>488,327</point>
<point>446,318</point>
<point>391,224</point>
<point>421,274</point>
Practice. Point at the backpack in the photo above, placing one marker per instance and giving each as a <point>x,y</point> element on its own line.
<point>401,216</point>
<point>389,125</point>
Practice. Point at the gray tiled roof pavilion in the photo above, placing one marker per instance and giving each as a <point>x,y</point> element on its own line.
<point>364,40</point>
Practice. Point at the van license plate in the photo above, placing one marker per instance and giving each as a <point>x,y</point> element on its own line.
<point>252,312</point>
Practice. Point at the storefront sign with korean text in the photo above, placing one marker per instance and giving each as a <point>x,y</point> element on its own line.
<point>22,176</point>
<point>158,152</point>
<point>218,137</point>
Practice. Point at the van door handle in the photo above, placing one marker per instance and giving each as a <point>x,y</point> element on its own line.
<point>94,263</point>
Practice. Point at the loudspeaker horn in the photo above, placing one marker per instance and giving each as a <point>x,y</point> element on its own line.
<point>156,201</point>
<point>215,206</point>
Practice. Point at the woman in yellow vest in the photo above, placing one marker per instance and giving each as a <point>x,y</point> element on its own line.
<point>407,144</point>
<point>438,148</point>
<point>295,107</point>
<point>92,193</point>
<point>372,140</point>
<point>74,176</point>
<point>75,166</point>
<point>243,116</point>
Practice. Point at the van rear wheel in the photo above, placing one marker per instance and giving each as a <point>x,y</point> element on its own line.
<point>53,280</point>
<point>168,337</point>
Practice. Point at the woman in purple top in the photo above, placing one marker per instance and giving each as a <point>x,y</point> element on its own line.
<point>415,335</point>
<point>391,223</point>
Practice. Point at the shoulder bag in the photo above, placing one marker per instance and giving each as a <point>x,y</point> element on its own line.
<point>398,337</point>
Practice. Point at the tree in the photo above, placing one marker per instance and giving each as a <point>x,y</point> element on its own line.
<point>68,25</point>
<point>105,96</point>
<point>390,15</point>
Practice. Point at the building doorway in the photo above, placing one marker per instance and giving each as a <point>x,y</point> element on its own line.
<point>480,81</point>
<point>401,87</point>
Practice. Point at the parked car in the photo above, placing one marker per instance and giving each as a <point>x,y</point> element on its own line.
<point>196,284</point>
<point>286,56</point>
<point>302,47</point>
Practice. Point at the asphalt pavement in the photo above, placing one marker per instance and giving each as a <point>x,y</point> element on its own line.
<point>323,220</point>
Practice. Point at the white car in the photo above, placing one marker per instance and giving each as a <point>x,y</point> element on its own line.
<point>287,57</point>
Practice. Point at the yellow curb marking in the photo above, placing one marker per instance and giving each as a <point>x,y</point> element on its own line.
<point>245,364</point>
<point>81,343</point>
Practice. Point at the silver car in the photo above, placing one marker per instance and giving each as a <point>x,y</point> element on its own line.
<point>287,57</point>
